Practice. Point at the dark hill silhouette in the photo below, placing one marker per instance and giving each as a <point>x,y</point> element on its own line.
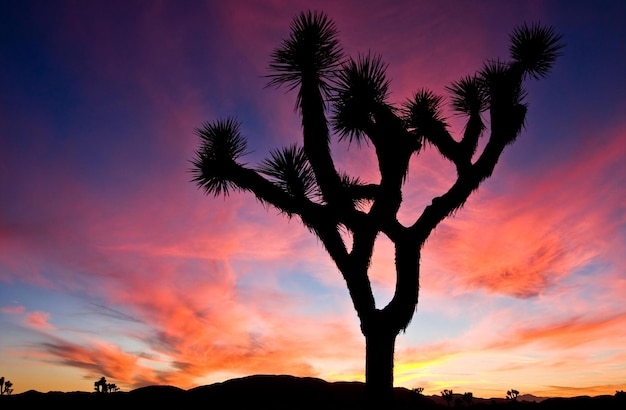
<point>583,402</point>
<point>280,392</point>
<point>289,392</point>
<point>531,398</point>
<point>253,392</point>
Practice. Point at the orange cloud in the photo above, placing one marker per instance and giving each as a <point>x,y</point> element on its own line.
<point>586,390</point>
<point>100,359</point>
<point>567,333</point>
<point>490,359</point>
<point>202,323</point>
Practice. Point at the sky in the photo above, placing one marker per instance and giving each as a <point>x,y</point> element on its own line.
<point>113,263</point>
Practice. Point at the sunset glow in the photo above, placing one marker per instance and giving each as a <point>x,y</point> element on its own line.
<point>112,263</point>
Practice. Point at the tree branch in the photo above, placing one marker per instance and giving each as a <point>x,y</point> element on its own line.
<point>316,142</point>
<point>439,136</point>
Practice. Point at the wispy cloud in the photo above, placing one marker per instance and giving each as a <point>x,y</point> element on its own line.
<point>12,309</point>
<point>38,320</point>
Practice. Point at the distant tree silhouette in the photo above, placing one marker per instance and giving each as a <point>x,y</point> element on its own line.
<point>512,394</point>
<point>101,386</point>
<point>447,396</point>
<point>5,387</point>
<point>418,390</point>
<point>303,181</point>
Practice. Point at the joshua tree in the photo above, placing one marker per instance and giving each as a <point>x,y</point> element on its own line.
<point>447,396</point>
<point>303,181</point>
<point>112,387</point>
<point>101,385</point>
<point>512,394</point>
<point>418,390</point>
<point>5,387</point>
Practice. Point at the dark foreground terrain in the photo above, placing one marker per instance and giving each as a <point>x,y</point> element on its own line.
<point>276,393</point>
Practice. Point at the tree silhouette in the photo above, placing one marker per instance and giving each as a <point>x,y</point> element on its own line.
<point>512,394</point>
<point>5,387</point>
<point>101,386</point>
<point>351,95</point>
<point>447,396</point>
<point>418,390</point>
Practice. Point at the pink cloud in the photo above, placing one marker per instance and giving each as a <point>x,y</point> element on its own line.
<point>12,309</point>
<point>522,244</point>
<point>38,320</point>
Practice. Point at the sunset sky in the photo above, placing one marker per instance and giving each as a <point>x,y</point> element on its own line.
<point>112,263</point>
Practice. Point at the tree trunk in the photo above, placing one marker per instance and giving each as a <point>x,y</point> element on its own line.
<point>381,327</point>
<point>379,349</point>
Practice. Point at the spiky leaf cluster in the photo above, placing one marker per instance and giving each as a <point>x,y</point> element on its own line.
<point>222,144</point>
<point>423,112</point>
<point>311,53</point>
<point>535,48</point>
<point>468,95</point>
<point>291,171</point>
<point>361,88</point>
<point>501,84</point>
